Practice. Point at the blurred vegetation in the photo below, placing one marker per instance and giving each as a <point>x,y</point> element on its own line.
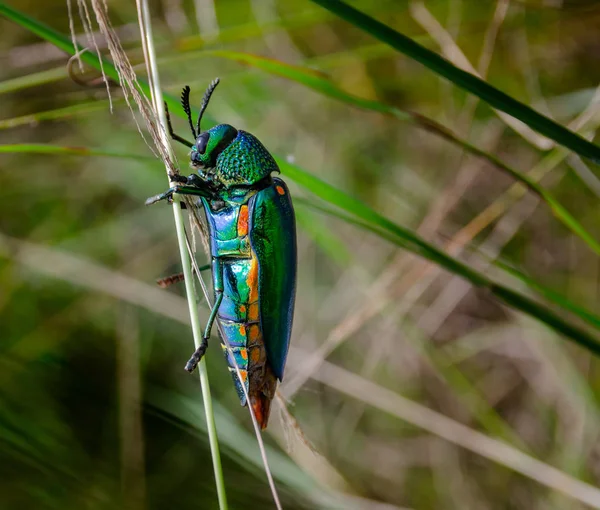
<point>415,389</point>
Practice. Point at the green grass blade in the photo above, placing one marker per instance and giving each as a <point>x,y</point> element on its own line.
<point>167,155</point>
<point>41,148</point>
<point>242,448</point>
<point>308,77</point>
<point>463,79</point>
<point>320,83</point>
<point>407,239</point>
<point>551,295</point>
<point>327,240</point>
<point>403,237</point>
<point>56,114</point>
<point>33,80</point>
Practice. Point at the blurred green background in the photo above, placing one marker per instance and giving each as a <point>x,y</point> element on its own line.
<point>95,408</point>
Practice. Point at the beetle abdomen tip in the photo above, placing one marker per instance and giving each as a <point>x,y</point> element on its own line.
<point>261,405</point>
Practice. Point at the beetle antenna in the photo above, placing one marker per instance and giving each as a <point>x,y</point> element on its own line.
<point>185,102</point>
<point>211,88</point>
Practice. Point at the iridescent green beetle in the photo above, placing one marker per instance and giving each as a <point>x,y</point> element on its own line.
<point>253,248</point>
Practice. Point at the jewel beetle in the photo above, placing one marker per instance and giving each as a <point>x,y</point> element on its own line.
<point>252,238</point>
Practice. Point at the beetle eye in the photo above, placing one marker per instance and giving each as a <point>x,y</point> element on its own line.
<point>202,142</point>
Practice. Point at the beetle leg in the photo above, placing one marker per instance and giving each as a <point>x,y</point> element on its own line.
<point>167,281</point>
<point>174,136</point>
<point>182,179</point>
<point>218,286</point>
<point>195,180</point>
<point>182,190</point>
<point>167,195</point>
<point>178,178</point>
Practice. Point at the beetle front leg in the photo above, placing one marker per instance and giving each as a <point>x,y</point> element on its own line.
<point>182,190</point>
<point>167,195</point>
<point>179,178</point>
<point>218,286</point>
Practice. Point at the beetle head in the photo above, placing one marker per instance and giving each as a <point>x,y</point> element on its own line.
<point>210,144</point>
<point>223,155</point>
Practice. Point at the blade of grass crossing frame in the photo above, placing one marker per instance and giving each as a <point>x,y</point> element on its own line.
<point>552,296</point>
<point>41,148</point>
<point>463,79</point>
<point>407,239</point>
<point>320,83</point>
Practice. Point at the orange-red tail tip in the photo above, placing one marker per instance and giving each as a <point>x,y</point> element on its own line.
<point>261,405</point>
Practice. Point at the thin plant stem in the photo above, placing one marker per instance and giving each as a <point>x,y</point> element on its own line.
<point>150,54</point>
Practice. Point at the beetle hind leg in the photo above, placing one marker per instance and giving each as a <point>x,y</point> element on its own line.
<point>191,365</point>
<point>199,352</point>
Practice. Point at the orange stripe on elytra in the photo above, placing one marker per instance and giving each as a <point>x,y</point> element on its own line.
<point>252,280</point>
<point>242,225</point>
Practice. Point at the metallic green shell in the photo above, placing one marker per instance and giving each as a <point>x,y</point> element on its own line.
<point>272,230</point>
<point>245,161</point>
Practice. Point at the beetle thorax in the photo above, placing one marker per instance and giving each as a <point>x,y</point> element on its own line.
<point>244,162</point>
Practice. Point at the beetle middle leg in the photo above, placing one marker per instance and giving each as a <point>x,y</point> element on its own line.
<point>182,190</point>
<point>218,284</point>
<point>167,281</point>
